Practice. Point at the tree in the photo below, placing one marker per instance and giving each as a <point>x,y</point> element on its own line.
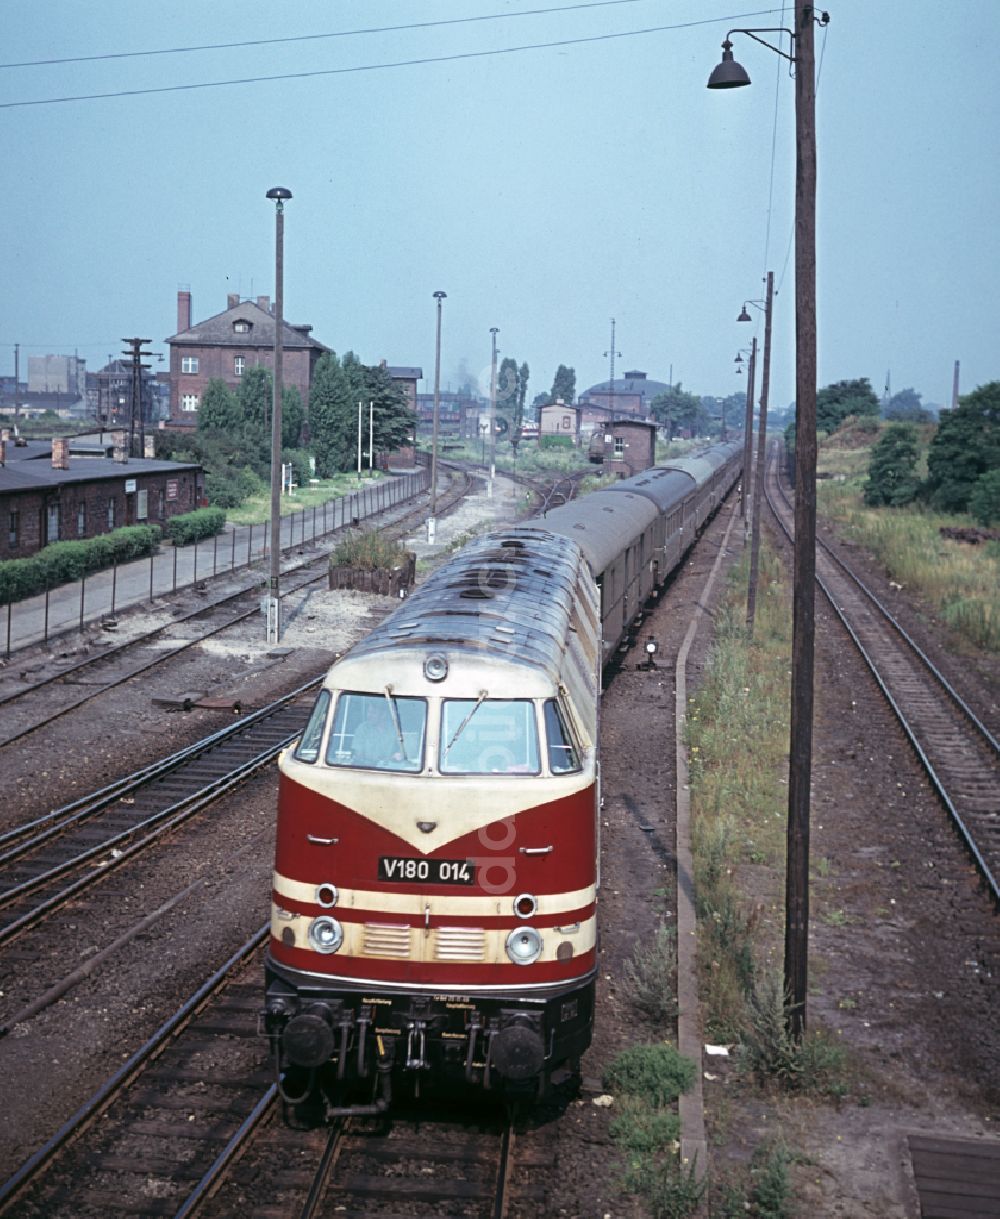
<point>965,446</point>
<point>676,410</point>
<point>332,419</point>
<point>338,387</point>
<point>564,384</point>
<point>218,410</point>
<point>522,392</point>
<point>842,398</point>
<point>906,406</point>
<point>892,468</point>
<point>293,416</point>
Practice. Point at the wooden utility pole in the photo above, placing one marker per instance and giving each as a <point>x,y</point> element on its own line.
<point>136,418</point>
<point>758,482</point>
<point>748,430</point>
<point>796,975</point>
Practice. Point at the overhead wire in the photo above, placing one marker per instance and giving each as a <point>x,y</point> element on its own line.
<point>375,67</point>
<point>269,42</point>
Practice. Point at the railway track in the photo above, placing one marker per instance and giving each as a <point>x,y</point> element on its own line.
<point>192,1123</point>
<point>58,858</point>
<point>959,754</point>
<point>57,693</point>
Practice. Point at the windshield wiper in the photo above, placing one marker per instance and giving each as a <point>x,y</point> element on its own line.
<point>465,723</point>
<point>395,721</point>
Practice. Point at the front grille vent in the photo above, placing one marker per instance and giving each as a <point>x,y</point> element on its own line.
<point>385,940</point>
<point>460,944</point>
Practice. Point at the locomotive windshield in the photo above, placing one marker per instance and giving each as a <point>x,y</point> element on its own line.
<point>378,731</point>
<point>488,736</point>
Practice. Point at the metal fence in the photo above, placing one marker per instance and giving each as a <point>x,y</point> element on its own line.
<point>100,596</point>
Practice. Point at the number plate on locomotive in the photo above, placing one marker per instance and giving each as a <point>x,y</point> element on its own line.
<point>399,869</point>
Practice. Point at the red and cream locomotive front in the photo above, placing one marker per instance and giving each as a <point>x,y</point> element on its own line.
<point>434,894</point>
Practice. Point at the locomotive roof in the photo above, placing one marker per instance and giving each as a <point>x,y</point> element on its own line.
<point>508,596</point>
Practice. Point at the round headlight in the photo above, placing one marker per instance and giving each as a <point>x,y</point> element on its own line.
<point>435,667</point>
<point>325,934</point>
<point>525,905</point>
<point>326,895</point>
<point>524,946</point>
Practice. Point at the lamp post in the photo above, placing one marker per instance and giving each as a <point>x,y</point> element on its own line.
<point>730,75</point>
<point>494,331</point>
<point>439,297</point>
<point>758,481</point>
<point>279,194</point>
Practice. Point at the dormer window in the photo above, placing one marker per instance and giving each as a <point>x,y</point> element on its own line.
<point>241,326</point>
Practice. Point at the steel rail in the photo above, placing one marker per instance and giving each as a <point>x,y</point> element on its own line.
<point>938,782</point>
<point>448,500</point>
<point>78,809</point>
<point>96,1103</point>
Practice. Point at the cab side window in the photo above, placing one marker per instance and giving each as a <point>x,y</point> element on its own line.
<point>564,756</point>
<point>307,750</point>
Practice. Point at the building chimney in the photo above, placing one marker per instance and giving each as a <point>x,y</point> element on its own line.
<point>60,453</point>
<point>120,451</point>
<point>232,300</point>
<point>264,302</point>
<point>183,312</point>
<point>148,447</point>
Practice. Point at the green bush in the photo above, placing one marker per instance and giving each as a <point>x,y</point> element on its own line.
<point>984,502</point>
<point>556,442</point>
<point>657,1074</point>
<point>62,562</point>
<point>193,526</point>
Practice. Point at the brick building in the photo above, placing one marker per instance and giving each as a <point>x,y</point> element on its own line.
<point>624,446</point>
<point>48,494</point>
<point>628,396</point>
<point>224,346</point>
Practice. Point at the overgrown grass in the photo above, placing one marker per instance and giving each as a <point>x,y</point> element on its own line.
<point>959,581</point>
<point>257,508</point>
<point>369,549</point>
<point>737,732</point>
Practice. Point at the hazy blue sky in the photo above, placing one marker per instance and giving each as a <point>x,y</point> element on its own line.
<point>544,190</point>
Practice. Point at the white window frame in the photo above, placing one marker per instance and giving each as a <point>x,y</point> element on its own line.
<point>189,402</point>
<point>239,365</point>
<point>142,504</point>
<point>189,364</point>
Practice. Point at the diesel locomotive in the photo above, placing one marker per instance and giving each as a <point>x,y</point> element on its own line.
<point>434,899</point>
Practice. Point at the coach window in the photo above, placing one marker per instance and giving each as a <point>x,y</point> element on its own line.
<point>378,731</point>
<point>563,754</point>
<point>481,736</point>
<point>307,750</point>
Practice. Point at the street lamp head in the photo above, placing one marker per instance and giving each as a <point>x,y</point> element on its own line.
<point>744,316</point>
<point>728,74</point>
<point>494,330</point>
<point>279,193</point>
<point>439,296</point>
